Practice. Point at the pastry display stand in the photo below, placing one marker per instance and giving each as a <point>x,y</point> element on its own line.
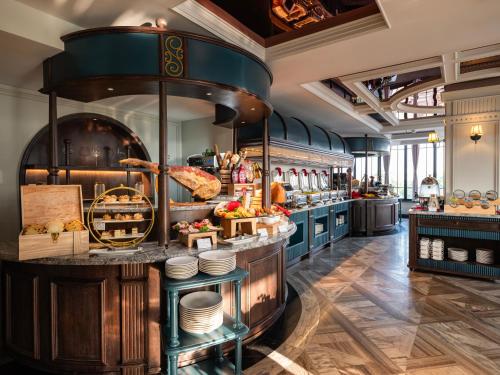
<point>232,329</point>
<point>190,238</point>
<point>247,225</point>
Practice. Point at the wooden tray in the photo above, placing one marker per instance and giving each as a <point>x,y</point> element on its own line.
<point>272,229</point>
<point>42,203</point>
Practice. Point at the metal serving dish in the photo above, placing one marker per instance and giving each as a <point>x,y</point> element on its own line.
<point>325,196</point>
<point>299,200</point>
<point>313,198</point>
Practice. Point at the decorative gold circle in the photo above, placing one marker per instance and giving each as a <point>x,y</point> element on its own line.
<point>110,242</point>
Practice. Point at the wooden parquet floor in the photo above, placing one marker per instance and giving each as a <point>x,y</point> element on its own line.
<point>364,312</point>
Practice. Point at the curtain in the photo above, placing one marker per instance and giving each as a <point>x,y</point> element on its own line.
<point>387,163</point>
<point>414,154</point>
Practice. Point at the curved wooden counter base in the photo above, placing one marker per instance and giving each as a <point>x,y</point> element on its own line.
<point>106,318</point>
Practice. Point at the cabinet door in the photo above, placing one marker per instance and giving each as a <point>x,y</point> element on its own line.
<point>299,242</point>
<point>383,216</point>
<point>358,218</point>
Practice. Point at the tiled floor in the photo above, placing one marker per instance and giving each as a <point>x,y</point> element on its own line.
<point>363,312</point>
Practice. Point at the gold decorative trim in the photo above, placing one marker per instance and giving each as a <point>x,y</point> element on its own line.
<point>173,56</point>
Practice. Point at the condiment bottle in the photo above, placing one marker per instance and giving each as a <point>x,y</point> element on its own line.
<point>235,175</point>
<point>242,175</point>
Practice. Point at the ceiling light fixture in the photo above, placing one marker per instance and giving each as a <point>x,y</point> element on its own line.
<point>433,137</point>
<point>476,132</point>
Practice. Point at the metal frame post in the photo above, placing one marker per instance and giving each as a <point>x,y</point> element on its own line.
<point>53,168</point>
<point>163,194</point>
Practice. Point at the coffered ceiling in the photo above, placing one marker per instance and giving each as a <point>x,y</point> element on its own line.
<point>460,38</point>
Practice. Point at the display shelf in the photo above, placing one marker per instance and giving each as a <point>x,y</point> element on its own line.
<point>127,236</point>
<point>232,328</point>
<point>463,268</point>
<point>228,331</point>
<point>116,221</point>
<point>211,366</point>
<point>91,168</point>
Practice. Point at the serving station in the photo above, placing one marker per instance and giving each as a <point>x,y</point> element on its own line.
<point>101,310</point>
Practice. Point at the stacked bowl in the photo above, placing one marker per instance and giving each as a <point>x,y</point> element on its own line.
<point>484,256</point>
<point>425,248</point>
<point>457,254</point>
<point>201,312</point>
<point>182,267</point>
<point>217,262</point>
<point>437,249</point>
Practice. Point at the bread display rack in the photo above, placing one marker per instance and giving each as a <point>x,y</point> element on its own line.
<point>121,221</point>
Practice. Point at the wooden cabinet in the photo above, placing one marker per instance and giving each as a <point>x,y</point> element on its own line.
<point>383,216</point>
<point>370,216</point>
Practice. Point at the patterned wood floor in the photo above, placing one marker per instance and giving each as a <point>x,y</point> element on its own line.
<point>364,312</point>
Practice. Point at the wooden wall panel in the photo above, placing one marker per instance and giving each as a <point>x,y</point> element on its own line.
<point>78,334</point>
<point>22,320</point>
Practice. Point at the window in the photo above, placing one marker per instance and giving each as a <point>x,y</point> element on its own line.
<point>359,172</point>
<point>430,162</point>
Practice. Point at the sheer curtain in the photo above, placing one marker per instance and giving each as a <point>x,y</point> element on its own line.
<point>414,154</point>
<point>387,164</point>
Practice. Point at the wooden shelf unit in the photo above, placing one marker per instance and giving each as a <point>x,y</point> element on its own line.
<point>468,232</point>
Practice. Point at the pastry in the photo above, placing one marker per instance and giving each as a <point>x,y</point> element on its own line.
<point>126,217</point>
<point>117,217</point>
<point>138,216</point>
<point>73,226</point>
<point>54,226</point>
<point>124,198</point>
<point>105,234</point>
<point>106,217</point>
<point>136,198</point>
<point>109,198</point>
<point>34,229</point>
<point>135,231</point>
<point>117,232</point>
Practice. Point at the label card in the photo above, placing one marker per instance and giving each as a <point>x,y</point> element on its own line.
<point>99,225</point>
<point>262,232</point>
<point>283,228</point>
<point>204,243</point>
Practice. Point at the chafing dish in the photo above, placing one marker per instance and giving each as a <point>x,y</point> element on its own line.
<point>299,200</point>
<point>313,198</point>
<point>325,196</point>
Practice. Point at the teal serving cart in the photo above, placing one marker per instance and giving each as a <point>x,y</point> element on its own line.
<point>177,341</point>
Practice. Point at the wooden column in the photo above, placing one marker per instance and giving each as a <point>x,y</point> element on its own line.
<point>266,188</point>
<point>163,196</point>
<point>53,167</point>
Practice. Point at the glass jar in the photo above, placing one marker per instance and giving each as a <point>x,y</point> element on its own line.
<point>139,186</point>
<point>99,188</point>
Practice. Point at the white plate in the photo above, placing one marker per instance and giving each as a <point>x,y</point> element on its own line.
<point>216,255</point>
<point>200,300</point>
<point>181,261</point>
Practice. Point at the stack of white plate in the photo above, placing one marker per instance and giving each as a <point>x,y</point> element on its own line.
<point>437,249</point>
<point>217,262</point>
<point>182,267</point>
<point>425,248</point>
<point>484,256</point>
<point>201,312</point>
<point>457,254</point>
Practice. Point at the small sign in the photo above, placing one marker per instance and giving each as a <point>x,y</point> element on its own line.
<point>262,232</point>
<point>204,243</point>
<point>99,225</point>
<point>283,228</point>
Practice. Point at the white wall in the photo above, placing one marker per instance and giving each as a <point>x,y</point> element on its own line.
<point>23,113</point>
<point>468,165</point>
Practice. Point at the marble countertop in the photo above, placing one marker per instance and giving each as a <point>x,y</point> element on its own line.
<point>150,252</point>
<point>442,213</point>
<point>295,210</point>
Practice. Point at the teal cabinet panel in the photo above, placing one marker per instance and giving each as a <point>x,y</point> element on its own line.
<point>321,226</point>
<point>341,230</point>
<point>299,242</point>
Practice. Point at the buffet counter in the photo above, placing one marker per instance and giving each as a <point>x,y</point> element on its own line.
<point>372,215</point>
<point>103,313</point>
<point>475,237</point>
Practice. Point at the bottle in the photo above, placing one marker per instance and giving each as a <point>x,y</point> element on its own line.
<point>242,175</point>
<point>235,175</point>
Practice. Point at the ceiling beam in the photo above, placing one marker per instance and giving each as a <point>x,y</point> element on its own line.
<point>32,24</point>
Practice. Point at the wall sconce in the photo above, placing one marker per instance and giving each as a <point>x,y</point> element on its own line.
<point>433,137</point>
<point>476,132</point>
